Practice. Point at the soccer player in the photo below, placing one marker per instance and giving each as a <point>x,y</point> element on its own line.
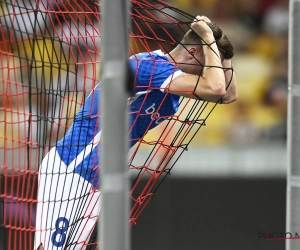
<point>68,195</point>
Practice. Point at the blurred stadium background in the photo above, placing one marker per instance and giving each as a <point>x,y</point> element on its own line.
<point>230,185</point>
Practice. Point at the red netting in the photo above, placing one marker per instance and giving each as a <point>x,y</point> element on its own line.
<point>49,63</point>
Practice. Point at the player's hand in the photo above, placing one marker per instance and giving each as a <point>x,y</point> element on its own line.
<point>199,25</point>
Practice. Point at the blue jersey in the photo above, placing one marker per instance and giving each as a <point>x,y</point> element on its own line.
<point>150,105</point>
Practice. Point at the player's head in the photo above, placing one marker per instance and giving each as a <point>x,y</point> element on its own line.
<point>191,49</point>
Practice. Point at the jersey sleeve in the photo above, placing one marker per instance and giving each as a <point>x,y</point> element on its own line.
<point>156,72</point>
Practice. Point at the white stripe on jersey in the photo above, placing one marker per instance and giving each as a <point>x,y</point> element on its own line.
<point>169,80</point>
<point>162,87</point>
<point>85,152</point>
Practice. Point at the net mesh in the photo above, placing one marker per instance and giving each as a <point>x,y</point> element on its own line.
<point>49,63</point>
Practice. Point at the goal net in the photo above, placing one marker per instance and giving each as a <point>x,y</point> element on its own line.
<point>50,65</point>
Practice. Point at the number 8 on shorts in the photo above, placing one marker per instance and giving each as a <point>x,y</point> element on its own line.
<point>59,236</point>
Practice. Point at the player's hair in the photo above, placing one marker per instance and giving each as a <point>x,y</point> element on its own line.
<point>222,41</point>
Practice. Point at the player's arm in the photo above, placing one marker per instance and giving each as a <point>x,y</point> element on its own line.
<point>231,88</point>
<point>211,86</point>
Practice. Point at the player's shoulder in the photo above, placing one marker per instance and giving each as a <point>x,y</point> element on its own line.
<point>152,55</point>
